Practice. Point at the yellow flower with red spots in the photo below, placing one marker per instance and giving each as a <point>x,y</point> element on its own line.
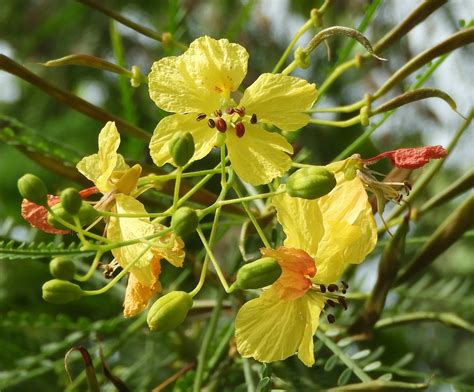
<point>201,88</point>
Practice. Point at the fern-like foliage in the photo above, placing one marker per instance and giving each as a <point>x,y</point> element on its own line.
<point>22,250</point>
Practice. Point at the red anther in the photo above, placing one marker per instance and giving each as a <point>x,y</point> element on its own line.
<point>332,288</point>
<point>211,123</point>
<point>221,125</point>
<point>229,110</point>
<point>410,158</point>
<point>322,288</point>
<point>331,318</point>
<point>330,302</point>
<point>218,113</point>
<point>240,111</point>
<point>253,119</point>
<point>201,116</point>
<point>239,129</point>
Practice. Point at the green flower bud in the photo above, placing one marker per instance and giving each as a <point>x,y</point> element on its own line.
<point>169,311</point>
<point>87,214</point>
<point>184,221</point>
<point>58,291</point>
<point>32,188</point>
<point>71,200</point>
<point>181,148</point>
<point>310,182</point>
<point>257,274</point>
<point>62,268</point>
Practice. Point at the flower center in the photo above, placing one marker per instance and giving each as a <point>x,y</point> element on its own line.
<point>231,118</point>
<point>334,295</point>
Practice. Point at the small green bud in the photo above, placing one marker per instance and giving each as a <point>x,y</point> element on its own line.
<point>62,268</point>
<point>58,291</point>
<point>310,182</point>
<point>169,311</point>
<point>71,200</point>
<point>181,148</point>
<point>32,188</point>
<point>257,274</point>
<point>87,214</point>
<point>184,221</point>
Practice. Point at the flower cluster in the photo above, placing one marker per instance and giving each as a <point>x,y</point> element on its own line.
<point>324,211</point>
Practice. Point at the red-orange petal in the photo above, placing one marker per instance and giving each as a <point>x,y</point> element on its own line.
<point>410,158</point>
<point>37,216</point>
<point>297,266</point>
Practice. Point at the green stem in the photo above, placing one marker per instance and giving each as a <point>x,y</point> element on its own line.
<point>252,217</point>
<point>177,185</point>
<point>303,29</point>
<point>118,277</point>
<point>215,264</point>
<point>90,272</point>
<point>106,248</point>
<point>166,177</point>
<point>248,375</point>
<point>339,124</point>
<point>363,376</point>
<point>210,330</point>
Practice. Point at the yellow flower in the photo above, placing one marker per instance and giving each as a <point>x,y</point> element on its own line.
<point>116,180</point>
<point>332,232</point>
<point>200,87</point>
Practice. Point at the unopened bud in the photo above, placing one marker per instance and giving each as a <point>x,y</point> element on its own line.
<point>32,188</point>
<point>86,214</point>
<point>181,148</point>
<point>257,274</point>
<point>58,291</point>
<point>184,221</point>
<point>71,200</point>
<point>169,311</point>
<point>62,268</point>
<point>310,182</point>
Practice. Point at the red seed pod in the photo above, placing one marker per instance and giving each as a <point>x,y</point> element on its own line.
<point>239,129</point>
<point>410,158</point>
<point>221,125</point>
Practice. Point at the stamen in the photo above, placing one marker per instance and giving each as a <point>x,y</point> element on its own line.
<point>330,302</point>
<point>322,288</point>
<point>333,287</point>
<point>253,119</point>
<point>342,301</point>
<point>211,123</point>
<point>229,110</point>
<point>218,113</point>
<point>240,111</point>
<point>201,116</point>
<point>331,318</point>
<point>344,284</point>
<point>239,129</point>
<point>221,125</point>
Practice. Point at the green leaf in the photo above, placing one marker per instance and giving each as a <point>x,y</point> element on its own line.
<point>21,250</point>
<point>344,377</point>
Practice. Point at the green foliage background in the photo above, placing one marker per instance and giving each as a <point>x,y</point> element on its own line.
<point>35,335</point>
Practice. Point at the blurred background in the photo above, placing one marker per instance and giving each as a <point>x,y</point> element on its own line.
<point>35,335</point>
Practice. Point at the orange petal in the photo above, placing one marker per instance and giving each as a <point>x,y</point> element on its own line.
<point>37,216</point>
<point>297,266</point>
<point>138,295</point>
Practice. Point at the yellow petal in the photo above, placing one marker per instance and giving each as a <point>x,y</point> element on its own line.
<point>126,181</point>
<point>199,80</point>
<point>314,305</point>
<point>138,295</point>
<point>124,229</point>
<point>173,253</point>
<point>280,100</point>
<point>173,89</point>
<point>217,65</point>
<point>204,137</point>
<point>307,230</point>
<point>269,329</point>
<point>259,156</point>
<point>99,167</point>
<point>350,233</point>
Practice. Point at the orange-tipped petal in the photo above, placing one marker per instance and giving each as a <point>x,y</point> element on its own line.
<point>37,216</point>
<point>297,268</point>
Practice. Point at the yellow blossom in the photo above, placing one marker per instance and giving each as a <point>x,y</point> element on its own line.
<point>116,180</point>
<point>200,87</point>
<point>336,230</point>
